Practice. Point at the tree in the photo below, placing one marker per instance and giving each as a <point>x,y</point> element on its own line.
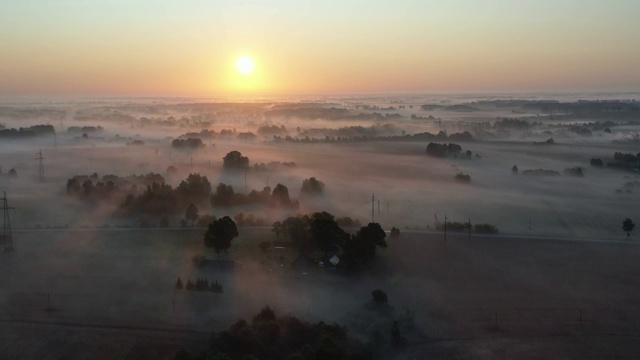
<point>235,161</point>
<point>223,196</point>
<point>277,229</point>
<point>628,226</point>
<point>312,187</point>
<point>462,178</point>
<point>325,232</point>
<point>195,188</point>
<point>280,196</point>
<point>220,233</point>
<point>191,214</point>
<point>73,186</point>
<point>296,230</point>
<point>595,162</point>
<point>360,249</point>
<point>514,170</point>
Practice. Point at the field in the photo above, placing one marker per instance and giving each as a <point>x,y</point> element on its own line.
<point>92,275</point>
<point>69,293</point>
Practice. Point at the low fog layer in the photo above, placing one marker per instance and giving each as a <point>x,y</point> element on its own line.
<point>554,178</point>
<point>371,147</point>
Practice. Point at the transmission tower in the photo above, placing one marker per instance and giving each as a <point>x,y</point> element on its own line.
<point>40,166</point>
<point>7,236</point>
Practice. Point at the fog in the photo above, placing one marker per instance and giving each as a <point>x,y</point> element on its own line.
<point>98,266</point>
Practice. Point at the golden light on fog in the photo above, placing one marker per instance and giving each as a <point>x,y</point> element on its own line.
<point>245,65</point>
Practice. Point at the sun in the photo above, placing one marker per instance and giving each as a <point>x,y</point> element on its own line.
<point>245,65</point>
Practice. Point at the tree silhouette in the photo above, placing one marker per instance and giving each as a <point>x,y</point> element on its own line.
<point>295,230</point>
<point>195,188</point>
<point>235,160</point>
<point>325,232</point>
<point>312,186</point>
<point>628,226</point>
<point>220,233</point>
<point>360,249</point>
<point>223,196</point>
<point>191,214</point>
<point>280,196</point>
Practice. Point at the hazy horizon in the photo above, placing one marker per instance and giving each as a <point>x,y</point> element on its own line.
<point>162,49</point>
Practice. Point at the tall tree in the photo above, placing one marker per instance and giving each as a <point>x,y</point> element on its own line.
<point>220,233</point>
<point>280,196</point>
<point>325,232</point>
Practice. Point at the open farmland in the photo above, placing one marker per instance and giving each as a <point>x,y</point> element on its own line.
<point>98,281</point>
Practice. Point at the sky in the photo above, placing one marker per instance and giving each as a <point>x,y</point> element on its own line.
<point>189,48</point>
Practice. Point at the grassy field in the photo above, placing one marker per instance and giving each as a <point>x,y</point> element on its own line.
<point>97,286</point>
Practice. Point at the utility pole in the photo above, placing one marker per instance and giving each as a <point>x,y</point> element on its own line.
<point>7,236</point>
<point>40,166</point>
<point>372,205</point>
<point>445,228</point>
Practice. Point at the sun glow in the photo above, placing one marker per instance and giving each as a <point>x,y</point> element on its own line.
<point>245,65</point>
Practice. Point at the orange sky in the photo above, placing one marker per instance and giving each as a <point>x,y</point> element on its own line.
<point>189,48</point>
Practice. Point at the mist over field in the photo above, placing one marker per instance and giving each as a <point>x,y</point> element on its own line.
<point>356,147</point>
<point>101,234</point>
